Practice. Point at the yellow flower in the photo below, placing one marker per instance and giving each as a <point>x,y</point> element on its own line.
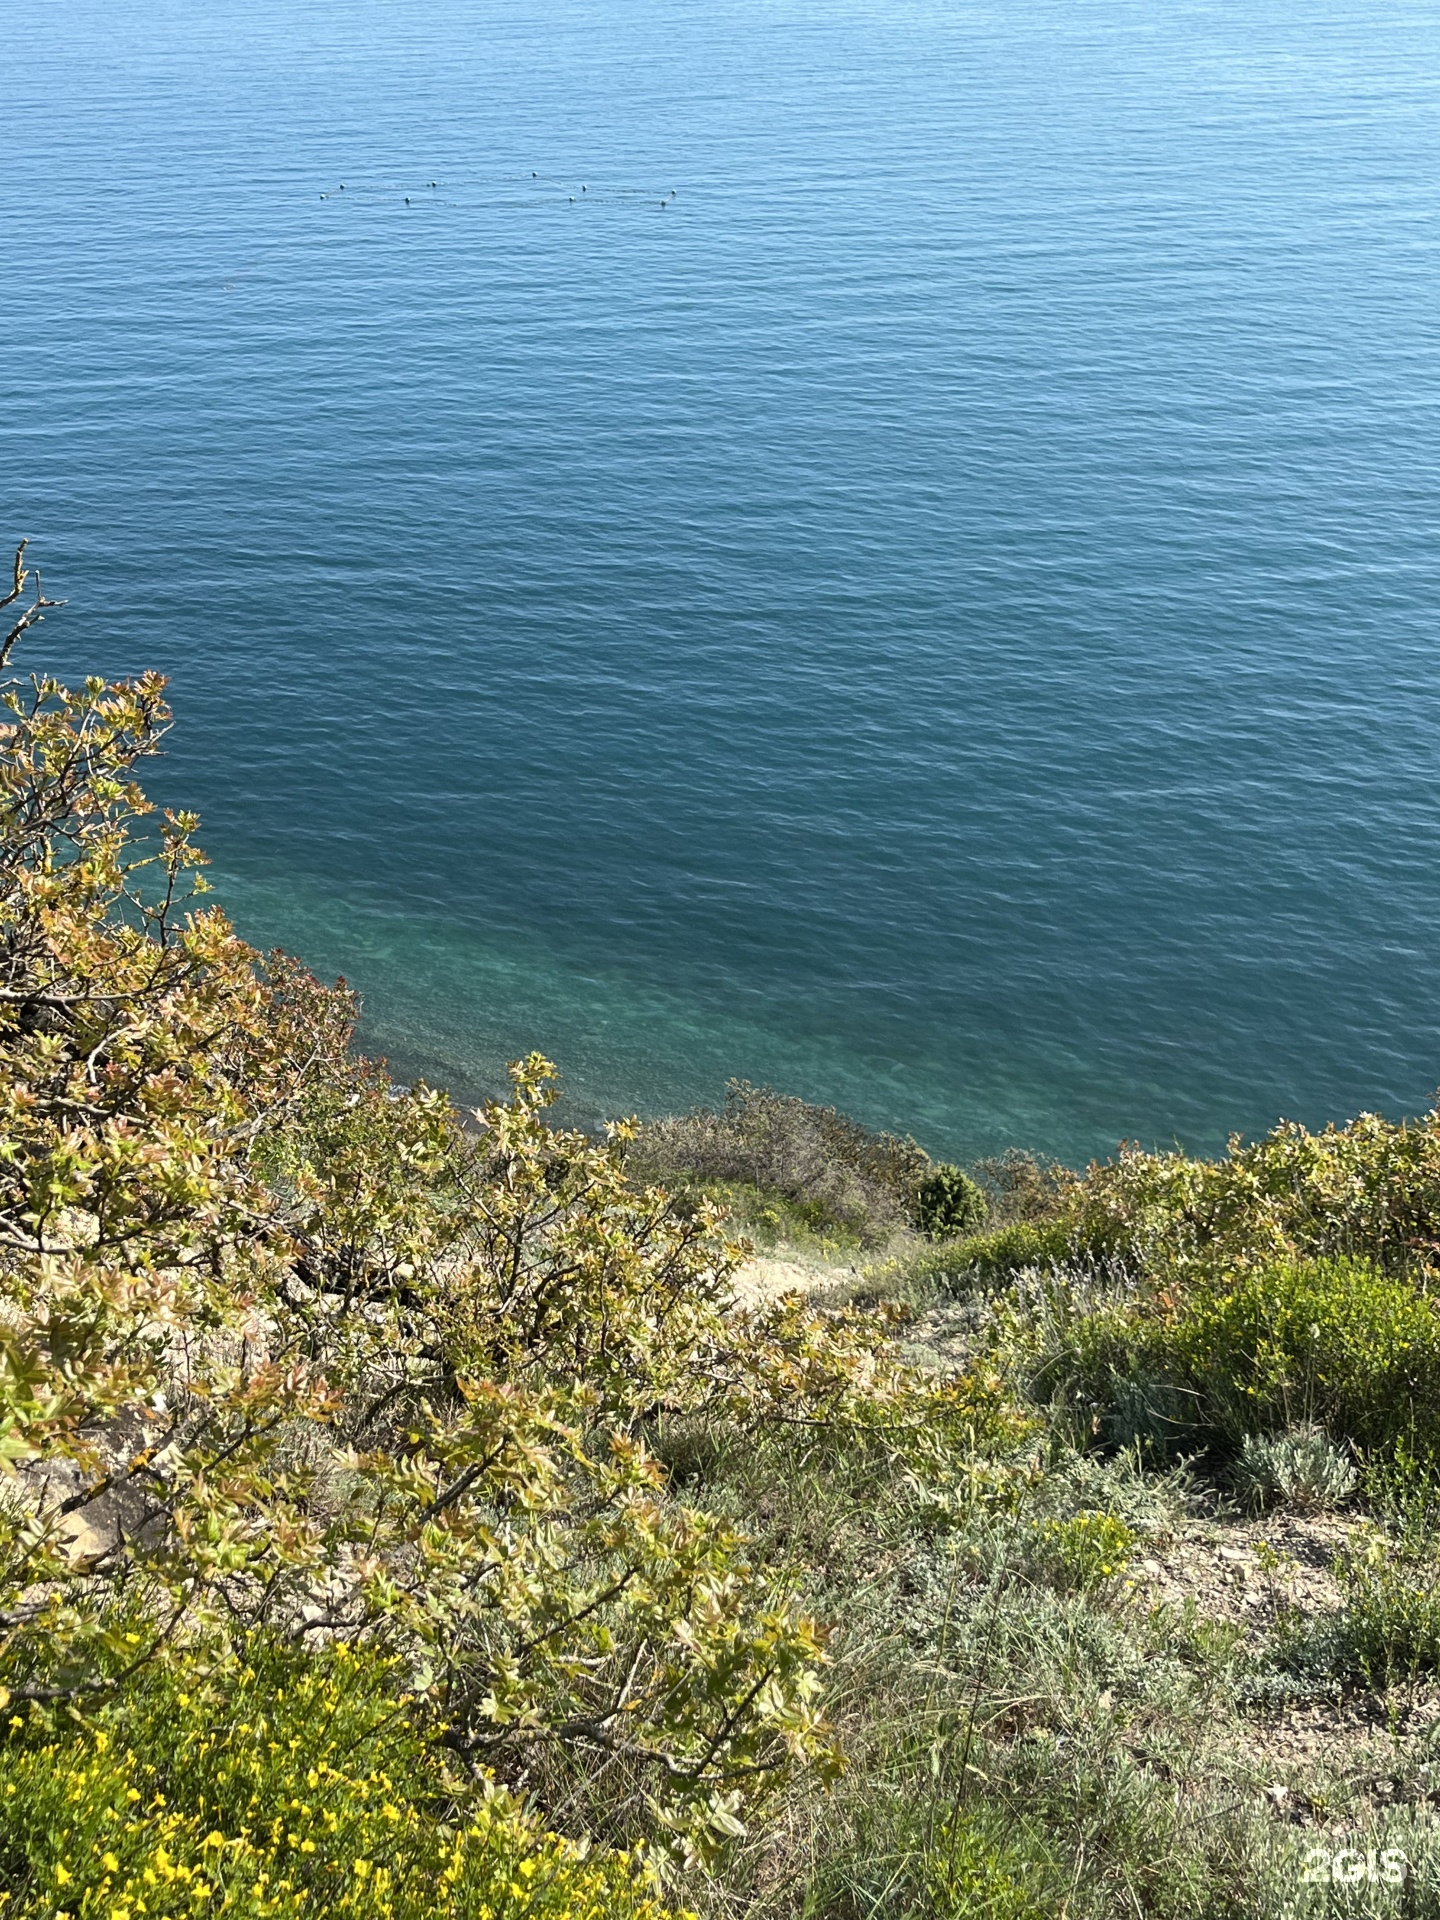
<point>110,1863</point>
<point>63,1876</point>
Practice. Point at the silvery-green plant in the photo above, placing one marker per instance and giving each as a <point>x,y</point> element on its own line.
<point>1300,1468</point>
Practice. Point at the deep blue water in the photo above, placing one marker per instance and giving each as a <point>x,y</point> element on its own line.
<point>941,616</point>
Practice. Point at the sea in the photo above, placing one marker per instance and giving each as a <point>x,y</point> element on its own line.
<point>886,548</point>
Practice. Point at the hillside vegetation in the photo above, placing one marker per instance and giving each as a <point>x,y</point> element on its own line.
<point>404,1517</point>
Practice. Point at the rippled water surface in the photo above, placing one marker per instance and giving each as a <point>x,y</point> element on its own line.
<point>884,546</point>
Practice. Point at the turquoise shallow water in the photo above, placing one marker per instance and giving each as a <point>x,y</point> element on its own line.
<point>941,615</point>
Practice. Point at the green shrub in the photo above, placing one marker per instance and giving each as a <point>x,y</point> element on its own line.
<point>1369,1190</point>
<point>770,1219</point>
<point>1387,1630</point>
<point>949,1203</point>
<point>994,1256</point>
<point>1020,1186</point>
<point>1086,1550</point>
<point>1390,1628</point>
<point>973,1872</point>
<point>1207,1364</point>
<point>1336,1342</point>
<point>1402,1489</point>
<point>1210,1364</point>
<point>291,1785</point>
<point>852,1175</point>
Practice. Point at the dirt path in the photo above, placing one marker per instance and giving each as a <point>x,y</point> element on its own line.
<point>764,1278</point>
